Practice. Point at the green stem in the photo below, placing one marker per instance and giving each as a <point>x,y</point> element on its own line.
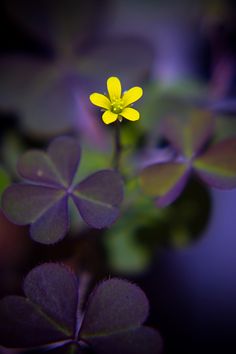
<point>117,146</point>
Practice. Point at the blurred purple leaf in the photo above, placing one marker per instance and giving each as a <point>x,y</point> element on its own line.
<point>43,201</point>
<point>48,94</point>
<point>90,127</point>
<point>222,106</point>
<point>217,166</point>
<point>174,192</point>
<point>129,58</point>
<point>164,181</point>
<point>214,164</point>
<point>113,317</point>
<point>42,92</point>
<point>52,107</point>
<point>19,75</point>
<point>47,314</point>
<point>189,136</point>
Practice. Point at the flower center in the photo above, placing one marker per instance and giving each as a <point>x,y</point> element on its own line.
<point>117,105</point>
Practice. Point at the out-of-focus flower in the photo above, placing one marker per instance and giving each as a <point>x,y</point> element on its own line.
<point>116,104</point>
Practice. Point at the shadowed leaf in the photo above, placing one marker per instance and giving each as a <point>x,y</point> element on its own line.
<point>115,305</point>
<point>44,282</point>
<point>141,340</point>
<point>20,316</point>
<point>217,167</point>
<point>47,314</point>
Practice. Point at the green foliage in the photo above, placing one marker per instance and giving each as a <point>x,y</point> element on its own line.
<point>143,229</point>
<point>4,180</point>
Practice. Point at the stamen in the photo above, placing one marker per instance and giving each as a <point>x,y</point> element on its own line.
<point>117,105</point>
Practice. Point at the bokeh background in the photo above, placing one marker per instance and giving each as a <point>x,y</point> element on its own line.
<point>53,54</point>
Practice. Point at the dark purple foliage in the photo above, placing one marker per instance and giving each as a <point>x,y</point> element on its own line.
<point>215,165</point>
<point>50,315</point>
<point>42,200</point>
<point>49,94</point>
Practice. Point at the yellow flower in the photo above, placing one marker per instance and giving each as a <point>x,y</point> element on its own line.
<point>116,104</point>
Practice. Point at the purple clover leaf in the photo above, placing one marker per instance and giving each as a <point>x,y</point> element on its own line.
<point>49,315</point>
<point>214,164</point>
<point>42,200</point>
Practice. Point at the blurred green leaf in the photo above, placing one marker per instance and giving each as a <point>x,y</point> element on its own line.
<point>4,180</point>
<point>189,135</point>
<point>159,179</point>
<point>93,160</point>
<point>125,253</point>
<point>143,229</point>
<point>12,148</point>
<point>217,166</point>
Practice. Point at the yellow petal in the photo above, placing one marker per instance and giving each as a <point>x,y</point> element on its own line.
<point>132,95</point>
<point>100,100</point>
<point>130,114</point>
<point>109,117</point>
<point>114,88</point>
